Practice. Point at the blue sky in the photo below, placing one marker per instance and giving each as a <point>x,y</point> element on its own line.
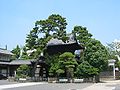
<point>17,18</point>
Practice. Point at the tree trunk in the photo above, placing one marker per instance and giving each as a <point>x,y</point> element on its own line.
<point>97,78</point>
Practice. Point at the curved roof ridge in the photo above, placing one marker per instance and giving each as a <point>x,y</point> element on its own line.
<point>55,41</point>
<point>4,51</point>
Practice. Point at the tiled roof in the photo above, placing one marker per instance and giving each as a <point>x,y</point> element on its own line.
<point>17,62</point>
<point>4,63</point>
<point>4,51</point>
<point>55,42</point>
<point>20,62</point>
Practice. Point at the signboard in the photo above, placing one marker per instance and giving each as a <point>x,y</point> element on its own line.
<point>111,62</point>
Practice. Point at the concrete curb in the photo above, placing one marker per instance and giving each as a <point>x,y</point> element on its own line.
<point>19,85</point>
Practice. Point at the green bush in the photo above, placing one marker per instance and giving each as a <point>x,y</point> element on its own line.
<point>23,71</point>
<point>85,70</point>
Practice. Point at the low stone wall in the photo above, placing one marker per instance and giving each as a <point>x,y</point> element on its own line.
<point>63,80</point>
<point>108,75</point>
<point>52,80</point>
<point>78,80</point>
<point>11,79</point>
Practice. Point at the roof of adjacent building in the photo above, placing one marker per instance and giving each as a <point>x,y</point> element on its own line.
<point>4,51</point>
<point>20,62</point>
<point>4,63</point>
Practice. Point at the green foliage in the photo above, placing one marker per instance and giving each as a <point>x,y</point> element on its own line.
<point>96,54</point>
<point>118,64</point>
<point>67,59</point>
<point>16,52</point>
<point>85,70</point>
<point>23,71</point>
<point>93,58</point>
<point>64,63</point>
<point>82,34</point>
<point>52,59</point>
<point>52,27</point>
<point>55,24</point>
<point>66,56</point>
<point>114,52</point>
<point>31,40</point>
<point>24,54</point>
<point>53,69</point>
<point>53,62</point>
<point>68,63</point>
<point>60,71</point>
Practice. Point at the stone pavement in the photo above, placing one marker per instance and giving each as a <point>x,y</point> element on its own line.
<point>19,85</point>
<point>107,85</point>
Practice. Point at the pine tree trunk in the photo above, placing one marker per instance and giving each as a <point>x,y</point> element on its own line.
<point>97,78</point>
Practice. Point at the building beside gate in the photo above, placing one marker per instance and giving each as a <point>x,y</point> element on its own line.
<point>39,66</point>
<point>5,56</point>
<point>8,67</point>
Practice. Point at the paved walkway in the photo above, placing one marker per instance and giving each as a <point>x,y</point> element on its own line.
<point>108,85</point>
<point>19,85</point>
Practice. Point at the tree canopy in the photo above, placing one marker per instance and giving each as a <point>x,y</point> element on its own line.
<point>52,27</point>
<point>23,71</point>
<point>16,52</point>
<point>93,59</point>
<point>65,65</point>
<point>82,34</point>
<point>96,54</point>
<point>85,70</point>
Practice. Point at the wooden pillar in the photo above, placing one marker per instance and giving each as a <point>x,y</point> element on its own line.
<point>8,71</point>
